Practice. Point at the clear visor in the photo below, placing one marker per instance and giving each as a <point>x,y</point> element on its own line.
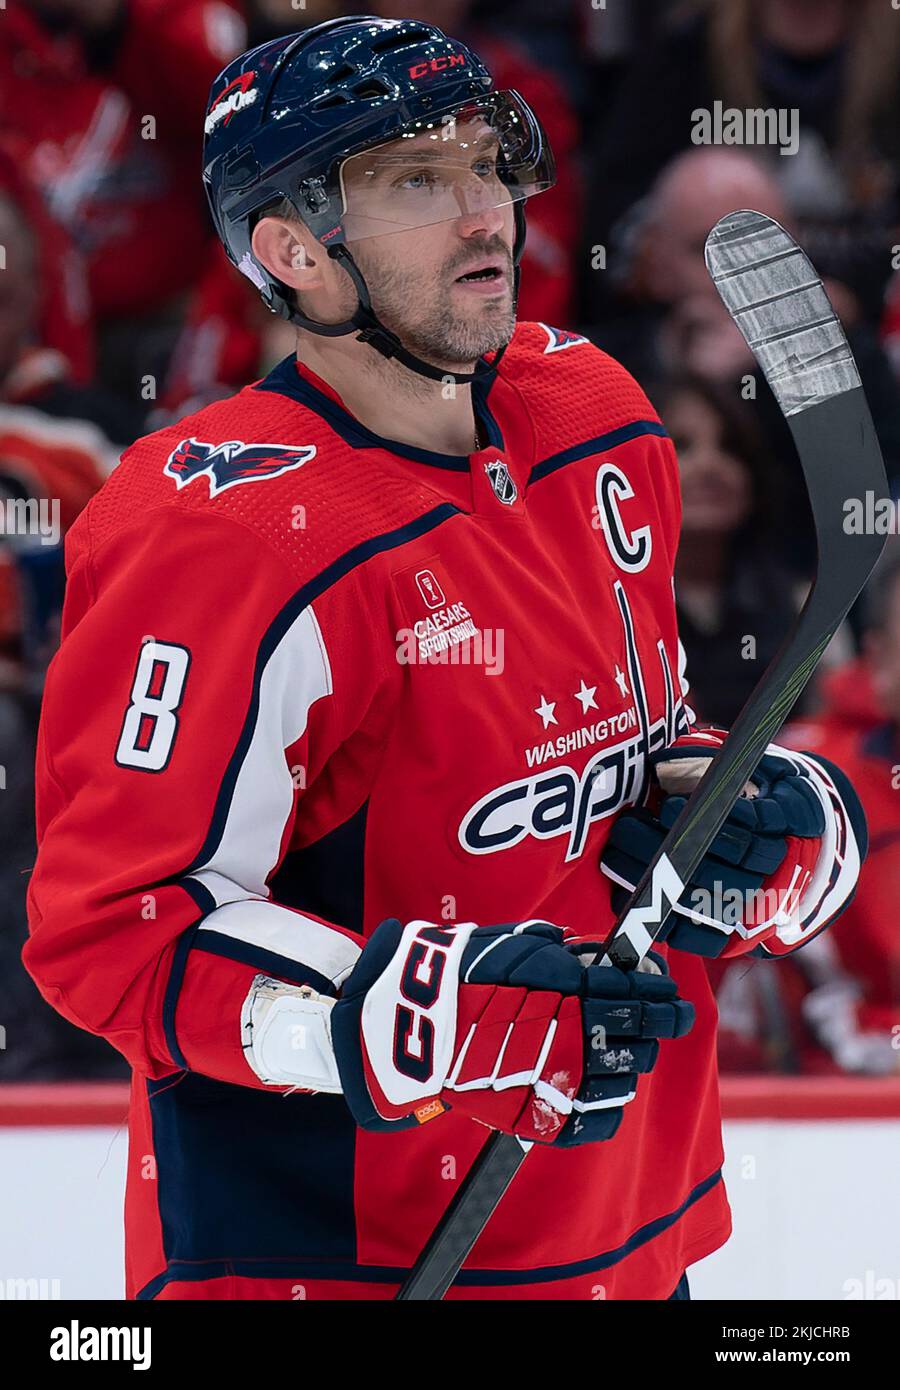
<point>489,154</point>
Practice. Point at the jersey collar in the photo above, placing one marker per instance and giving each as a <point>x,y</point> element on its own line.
<point>294,379</point>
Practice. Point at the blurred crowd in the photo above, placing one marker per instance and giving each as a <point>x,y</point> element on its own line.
<point>119,313</point>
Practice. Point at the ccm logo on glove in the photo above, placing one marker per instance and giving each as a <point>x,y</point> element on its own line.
<point>505,1024</point>
<point>420,984</point>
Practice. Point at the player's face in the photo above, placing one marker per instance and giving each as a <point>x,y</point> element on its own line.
<point>432,229</point>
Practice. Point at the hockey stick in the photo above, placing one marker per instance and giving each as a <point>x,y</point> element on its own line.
<point>781,308</point>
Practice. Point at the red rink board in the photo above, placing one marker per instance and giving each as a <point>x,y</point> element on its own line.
<point>743,1098</point>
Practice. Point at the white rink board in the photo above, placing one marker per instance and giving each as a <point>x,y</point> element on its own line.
<point>61,1197</point>
<point>814,1208</point>
<point>820,1218</point>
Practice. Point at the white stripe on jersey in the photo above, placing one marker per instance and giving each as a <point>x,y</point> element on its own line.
<point>288,933</point>
<point>297,674</point>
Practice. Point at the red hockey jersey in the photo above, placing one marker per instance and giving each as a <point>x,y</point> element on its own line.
<point>311,678</point>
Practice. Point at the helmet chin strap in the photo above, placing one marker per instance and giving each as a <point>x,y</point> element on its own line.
<point>369,328</point>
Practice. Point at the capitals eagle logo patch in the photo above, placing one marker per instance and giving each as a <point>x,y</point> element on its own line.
<point>226,465</point>
<point>560,338</point>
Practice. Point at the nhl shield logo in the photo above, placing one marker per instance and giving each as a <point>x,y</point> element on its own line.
<point>504,486</point>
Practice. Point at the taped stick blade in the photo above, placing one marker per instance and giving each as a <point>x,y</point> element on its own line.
<point>780,306</point>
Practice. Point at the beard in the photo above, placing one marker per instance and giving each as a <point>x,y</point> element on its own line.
<point>423,319</point>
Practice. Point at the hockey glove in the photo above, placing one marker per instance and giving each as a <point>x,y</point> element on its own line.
<point>504,1024</point>
<point>782,867</point>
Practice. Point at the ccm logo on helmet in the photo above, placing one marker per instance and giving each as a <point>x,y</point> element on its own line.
<point>235,97</point>
<point>453,60</point>
<point>420,984</point>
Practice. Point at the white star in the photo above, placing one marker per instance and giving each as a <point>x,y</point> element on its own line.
<point>545,710</point>
<point>586,696</point>
<point>621,682</point>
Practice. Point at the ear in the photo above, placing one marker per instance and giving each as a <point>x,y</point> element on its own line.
<point>288,251</point>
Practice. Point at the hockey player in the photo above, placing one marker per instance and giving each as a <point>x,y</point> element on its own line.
<point>359,664</point>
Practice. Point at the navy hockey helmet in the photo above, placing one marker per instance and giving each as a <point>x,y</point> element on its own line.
<point>290,120</point>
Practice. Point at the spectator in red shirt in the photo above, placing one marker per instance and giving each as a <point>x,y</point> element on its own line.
<point>860,1023</point>
<point>100,101</point>
<point>837,1008</point>
<point>58,441</point>
<point>55,293</point>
